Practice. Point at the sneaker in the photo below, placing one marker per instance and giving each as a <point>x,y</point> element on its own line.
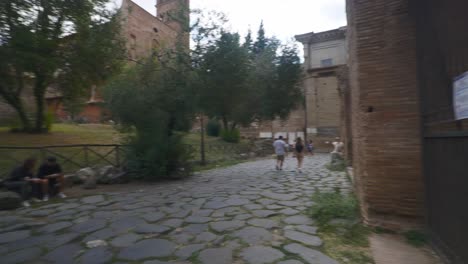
<point>26,204</point>
<point>35,200</point>
<point>62,195</point>
<point>277,168</point>
<point>46,198</point>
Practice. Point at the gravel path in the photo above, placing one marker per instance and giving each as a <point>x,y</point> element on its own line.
<point>248,213</point>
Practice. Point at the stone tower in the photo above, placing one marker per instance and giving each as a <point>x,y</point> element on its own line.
<point>174,13</point>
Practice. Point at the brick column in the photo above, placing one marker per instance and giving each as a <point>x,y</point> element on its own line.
<point>385,112</point>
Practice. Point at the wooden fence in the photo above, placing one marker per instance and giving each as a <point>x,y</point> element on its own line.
<point>71,157</point>
<point>75,157</point>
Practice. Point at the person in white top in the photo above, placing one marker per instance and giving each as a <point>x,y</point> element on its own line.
<point>280,150</point>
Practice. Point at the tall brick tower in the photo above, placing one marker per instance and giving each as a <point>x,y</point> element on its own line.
<point>174,13</point>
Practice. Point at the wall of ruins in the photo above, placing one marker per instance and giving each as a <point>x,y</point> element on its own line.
<point>385,106</point>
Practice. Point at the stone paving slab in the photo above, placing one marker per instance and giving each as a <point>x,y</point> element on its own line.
<point>392,249</point>
<point>248,213</point>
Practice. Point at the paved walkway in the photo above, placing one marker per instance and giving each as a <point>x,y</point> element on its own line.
<point>392,249</point>
<point>247,213</point>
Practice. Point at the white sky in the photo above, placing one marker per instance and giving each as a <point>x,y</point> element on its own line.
<point>282,18</point>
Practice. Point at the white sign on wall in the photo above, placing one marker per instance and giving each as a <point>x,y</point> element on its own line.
<point>266,135</point>
<point>460,96</point>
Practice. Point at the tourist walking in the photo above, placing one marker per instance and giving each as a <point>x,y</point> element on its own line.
<point>299,152</point>
<point>280,150</point>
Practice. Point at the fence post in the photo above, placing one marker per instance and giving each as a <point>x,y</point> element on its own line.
<point>86,156</point>
<point>117,156</point>
<point>43,154</point>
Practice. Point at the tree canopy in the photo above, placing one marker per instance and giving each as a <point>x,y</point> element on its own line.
<point>71,44</point>
<point>257,80</point>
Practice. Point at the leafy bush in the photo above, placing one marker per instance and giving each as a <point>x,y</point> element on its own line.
<point>213,128</point>
<point>152,103</point>
<point>232,136</point>
<point>329,206</point>
<point>152,156</point>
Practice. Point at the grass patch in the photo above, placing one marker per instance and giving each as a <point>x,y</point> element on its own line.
<point>416,238</point>
<point>329,206</point>
<point>345,238</point>
<point>61,134</point>
<point>337,166</point>
<point>218,152</point>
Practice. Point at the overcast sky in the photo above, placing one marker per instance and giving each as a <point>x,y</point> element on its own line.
<point>282,18</point>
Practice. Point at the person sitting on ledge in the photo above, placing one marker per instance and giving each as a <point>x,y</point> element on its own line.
<point>52,179</point>
<point>21,180</point>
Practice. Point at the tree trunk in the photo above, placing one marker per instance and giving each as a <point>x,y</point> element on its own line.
<point>225,123</point>
<point>17,104</point>
<point>233,126</point>
<point>39,93</point>
<point>26,125</point>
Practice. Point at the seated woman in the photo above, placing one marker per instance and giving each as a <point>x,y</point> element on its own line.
<point>21,180</point>
<point>52,179</point>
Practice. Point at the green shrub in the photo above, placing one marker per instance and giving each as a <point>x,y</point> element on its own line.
<point>213,128</point>
<point>232,136</point>
<point>152,117</point>
<point>153,157</point>
<point>329,206</point>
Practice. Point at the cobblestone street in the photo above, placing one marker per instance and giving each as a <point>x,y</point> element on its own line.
<point>248,213</point>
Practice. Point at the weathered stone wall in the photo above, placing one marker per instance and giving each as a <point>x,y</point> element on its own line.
<point>323,103</point>
<point>386,125</point>
<point>334,50</point>
<point>345,114</point>
<point>293,126</point>
<point>143,31</point>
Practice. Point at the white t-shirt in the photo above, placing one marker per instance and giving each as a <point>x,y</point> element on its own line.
<point>280,147</point>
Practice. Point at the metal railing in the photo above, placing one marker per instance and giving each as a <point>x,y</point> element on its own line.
<point>70,157</point>
<point>75,157</point>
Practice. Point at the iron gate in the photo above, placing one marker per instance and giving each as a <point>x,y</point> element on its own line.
<point>442,44</point>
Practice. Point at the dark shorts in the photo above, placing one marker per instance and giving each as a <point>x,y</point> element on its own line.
<point>280,157</point>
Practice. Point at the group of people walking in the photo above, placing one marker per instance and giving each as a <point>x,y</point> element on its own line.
<point>299,149</point>
<point>48,181</point>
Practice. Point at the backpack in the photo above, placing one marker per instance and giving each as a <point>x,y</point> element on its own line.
<point>299,148</point>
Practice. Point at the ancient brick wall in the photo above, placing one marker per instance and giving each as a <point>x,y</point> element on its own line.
<point>144,31</point>
<point>386,125</point>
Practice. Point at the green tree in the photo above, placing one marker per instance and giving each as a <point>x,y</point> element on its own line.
<point>72,44</point>
<point>245,82</point>
<point>248,42</point>
<point>262,42</point>
<point>275,78</point>
<point>153,101</point>
<point>223,72</point>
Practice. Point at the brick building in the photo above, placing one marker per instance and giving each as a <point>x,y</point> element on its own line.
<point>409,149</point>
<point>143,33</point>
<point>325,56</point>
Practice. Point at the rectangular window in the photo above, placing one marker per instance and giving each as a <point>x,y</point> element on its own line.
<point>326,63</point>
